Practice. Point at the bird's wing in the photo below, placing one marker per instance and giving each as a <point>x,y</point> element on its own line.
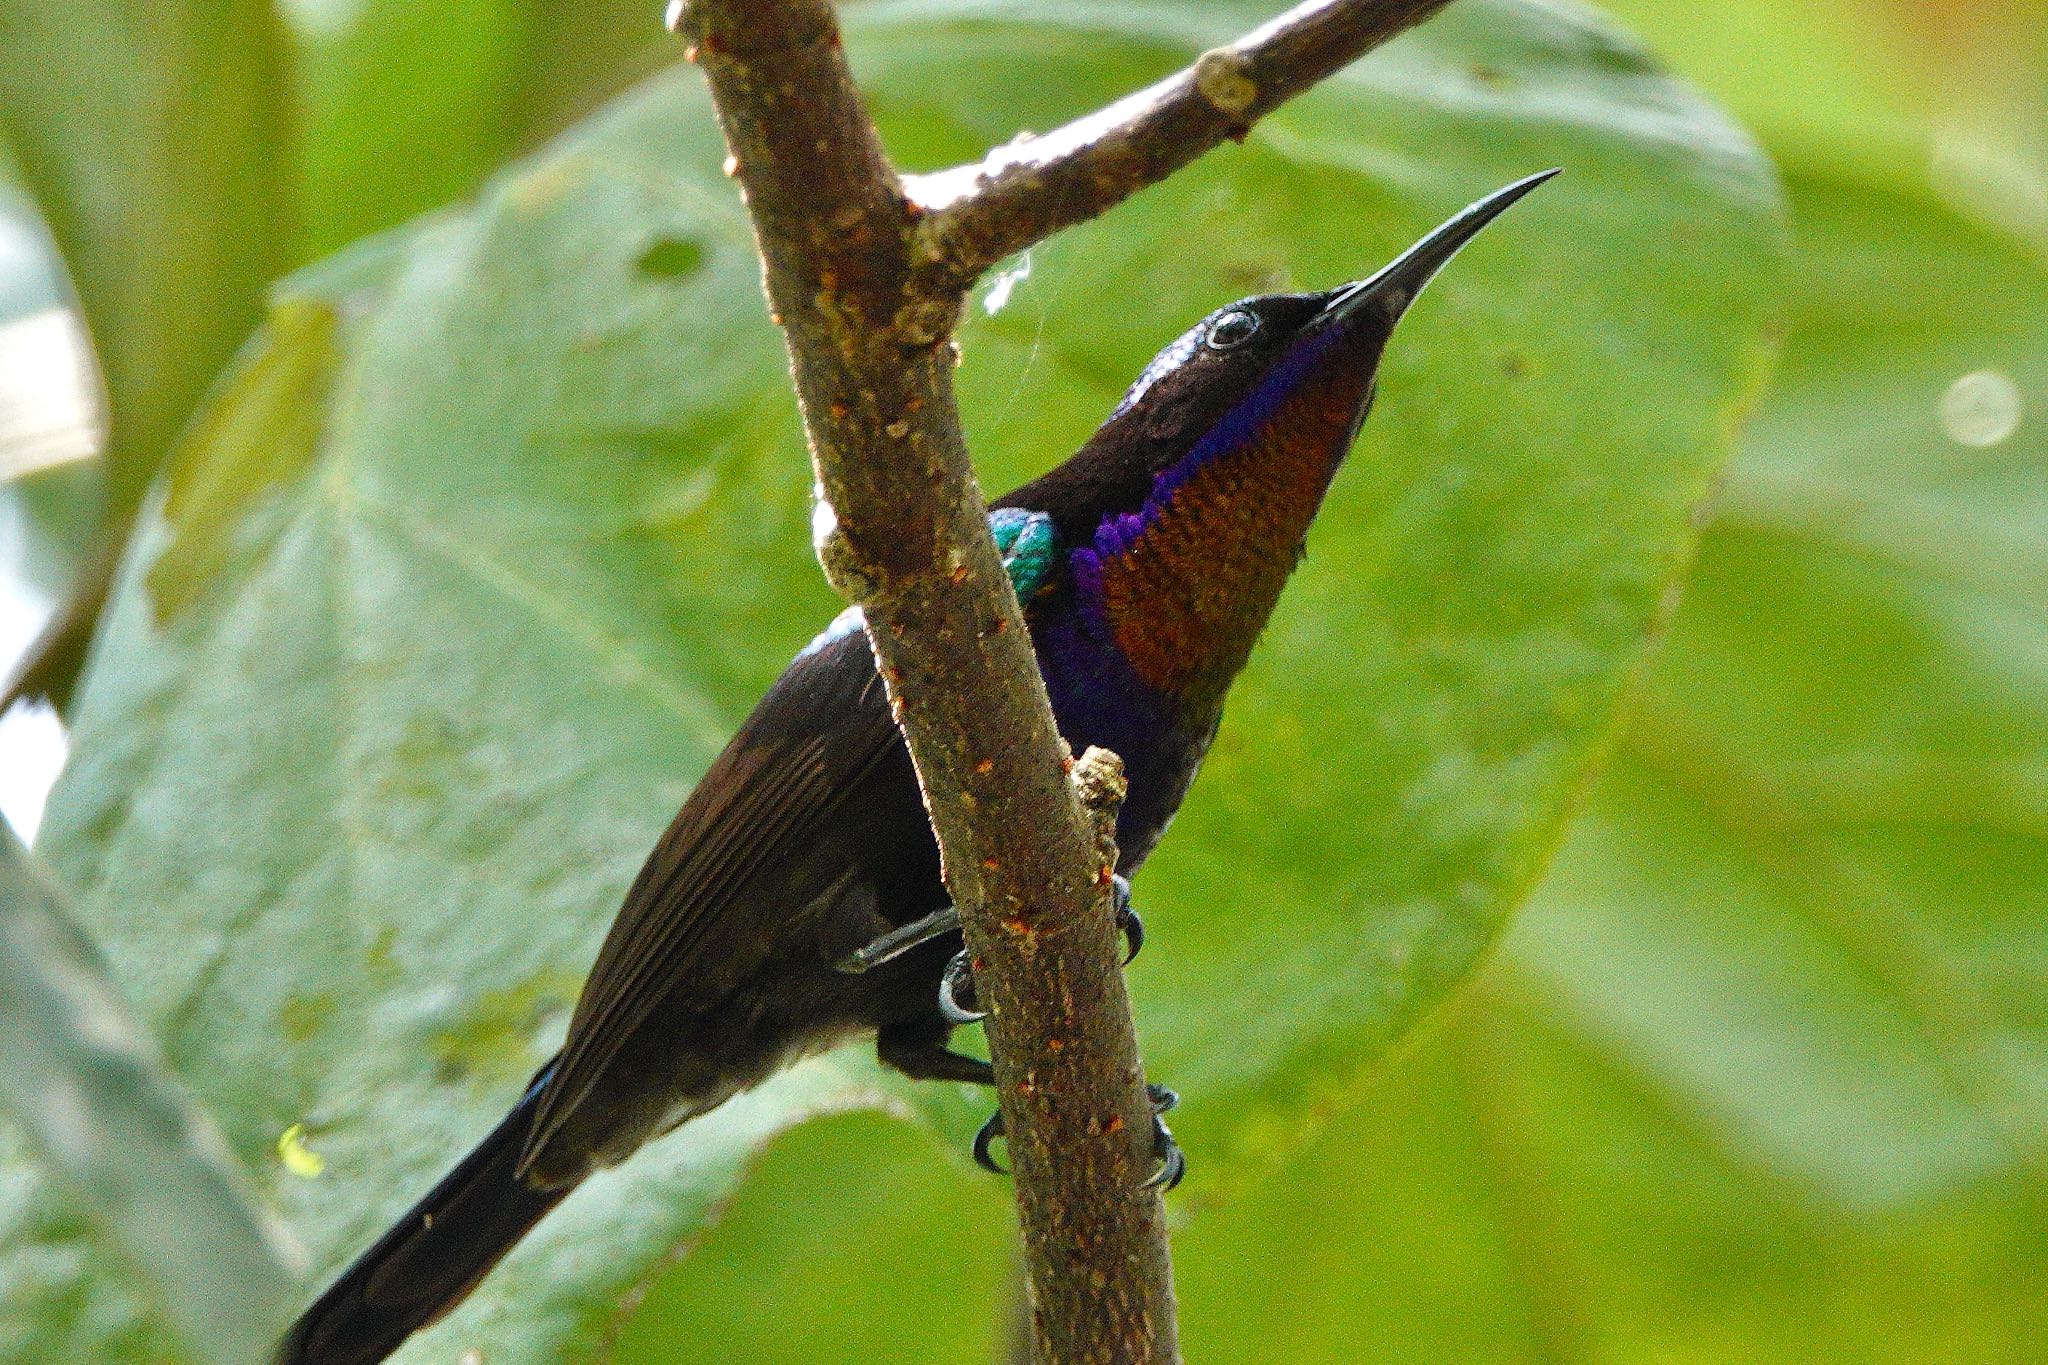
<point>687,923</point>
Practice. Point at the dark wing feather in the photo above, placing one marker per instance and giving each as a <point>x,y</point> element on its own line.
<point>818,730</point>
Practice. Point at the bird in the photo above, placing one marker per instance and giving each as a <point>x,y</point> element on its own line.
<point>795,902</point>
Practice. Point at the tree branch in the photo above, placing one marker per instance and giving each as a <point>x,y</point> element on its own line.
<point>867,286</point>
<point>1023,193</point>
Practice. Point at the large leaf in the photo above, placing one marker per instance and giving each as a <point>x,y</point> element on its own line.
<point>151,1175</point>
<point>449,91</point>
<point>1832,797</point>
<point>436,667</point>
<point>912,1258</point>
<point>1521,1192</point>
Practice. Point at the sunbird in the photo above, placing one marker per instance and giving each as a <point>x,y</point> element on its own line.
<point>795,901</point>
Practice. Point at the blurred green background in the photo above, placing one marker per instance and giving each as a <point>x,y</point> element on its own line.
<point>489,534</point>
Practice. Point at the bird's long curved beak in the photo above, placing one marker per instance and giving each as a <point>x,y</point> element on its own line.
<point>1393,289</point>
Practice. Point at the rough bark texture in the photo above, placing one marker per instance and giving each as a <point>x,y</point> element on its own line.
<point>866,279</point>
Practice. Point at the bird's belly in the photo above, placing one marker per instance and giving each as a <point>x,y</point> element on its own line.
<point>1098,700</point>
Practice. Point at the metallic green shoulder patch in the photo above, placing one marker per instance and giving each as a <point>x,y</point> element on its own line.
<point>1026,542</point>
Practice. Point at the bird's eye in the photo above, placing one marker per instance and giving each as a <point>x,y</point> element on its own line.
<point>1232,329</point>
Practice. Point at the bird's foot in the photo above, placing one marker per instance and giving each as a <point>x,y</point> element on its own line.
<point>989,1132</point>
<point>1127,920</point>
<point>956,986</point>
<point>1173,1163</point>
<point>957,999</point>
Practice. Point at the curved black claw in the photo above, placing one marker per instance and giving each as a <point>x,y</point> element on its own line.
<point>956,984</point>
<point>1173,1163</point>
<point>990,1131</point>
<point>1126,918</point>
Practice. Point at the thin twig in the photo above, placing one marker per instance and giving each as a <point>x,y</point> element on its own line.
<point>867,286</point>
<point>1022,193</point>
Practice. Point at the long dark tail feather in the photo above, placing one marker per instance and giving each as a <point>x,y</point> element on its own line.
<point>431,1258</point>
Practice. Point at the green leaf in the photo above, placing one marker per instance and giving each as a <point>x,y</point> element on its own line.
<point>382,771</point>
<point>389,82</point>
<point>1838,763</point>
<point>910,1259</point>
<point>154,140</point>
<point>263,430</point>
<point>449,91</point>
<point>1519,1192</point>
<point>148,1171</point>
<point>582,55</point>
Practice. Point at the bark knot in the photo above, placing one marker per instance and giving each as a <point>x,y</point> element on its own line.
<point>1223,78</point>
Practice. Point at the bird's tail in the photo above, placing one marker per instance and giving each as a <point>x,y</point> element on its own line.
<point>431,1258</point>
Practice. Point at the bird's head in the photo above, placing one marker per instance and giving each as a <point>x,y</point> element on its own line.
<point>1187,508</point>
<point>1299,367</point>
